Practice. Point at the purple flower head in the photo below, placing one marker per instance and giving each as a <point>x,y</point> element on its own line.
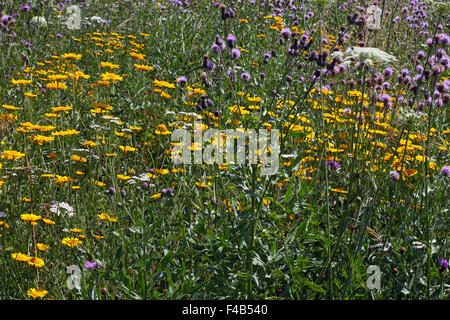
<point>286,33</point>
<point>394,175</point>
<point>245,76</point>
<point>182,81</point>
<point>230,40</point>
<point>235,53</point>
<point>168,192</point>
<point>91,265</point>
<point>388,72</point>
<point>333,163</point>
<point>443,264</point>
<point>445,171</point>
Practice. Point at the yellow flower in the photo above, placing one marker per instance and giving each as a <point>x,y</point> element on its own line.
<point>71,242</point>
<point>48,221</point>
<point>20,257</point>
<point>79,74</point>
<point>156,196</point>
<point>42,246</point>
<point>339,190</point>
<point>162,129</point>
<point>10,107</point>
<point>137,55</point>
<point>78,159</point>
<point>56,85</point>
<point>39,139</point>
<point>20,81</point>
<point>36,262</point>
<point>89,144</point>
<point>62,109</point>
<point>98,183</point>
<point>143,67</point>
<point>37,293</point>
<point>126,149</point>
<point>163,84</point>
<point>71,56</point>
<point>69,132</point>
<point>109,65</point>
<point>111,76</point>
<point>12,155</point>
<point>105,216</point>
<point>30,217</point>
<point>62,180</point>
<point>122,177</point>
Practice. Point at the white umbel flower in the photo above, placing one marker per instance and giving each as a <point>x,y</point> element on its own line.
<point>39,21</point>
<point>368,55</point>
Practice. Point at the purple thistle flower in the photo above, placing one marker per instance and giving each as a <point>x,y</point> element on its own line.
<point>394,175</point>
<point>286,33</point>
<point>333,163</point>
<point>230,40</point>
<point>91,265</point>
<point>388,72</point>
<point>168,192</point>
<point>443,264</point>
<point>445,171</point>
<point>235,53</point>
<point>182,81</point>
<point>245,76</point>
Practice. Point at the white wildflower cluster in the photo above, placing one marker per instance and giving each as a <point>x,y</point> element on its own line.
<point>62,208</point>
<point>39,22</point>
<point>367,55</point>
<point>408,115</point>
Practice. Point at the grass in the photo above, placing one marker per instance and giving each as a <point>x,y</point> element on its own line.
<point>310,231</point>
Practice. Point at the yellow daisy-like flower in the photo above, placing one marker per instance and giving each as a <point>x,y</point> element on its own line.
<point>62,109</point>
<point>156,196</point>
<point>42,246</point>
<point>55,85</point>
<point>339,190</point>
<point>37,293</point>
<point>10,107</point>
<point>105,216</point>
<point>143,67</point>
<point>98,183</point>
<point>20,81</point>
<point>71,56</point>
<point>165,84</point>
<point>36,262</point>
<point>40,139</point>
<point>127,149</point>
<point>62,180</point>
<point>122,177</point>
<point>78,159</point>
<point>48,221</point>
<point>162,129</point>
<point>69,132</point>
<point>71,242</point>
<point>89,144</point>
<point>12,155</point>
<point>20,257</point>
<point>111,76</point>
<point>29,217</point>
<point>109,65</point>
<point>138,56</point>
